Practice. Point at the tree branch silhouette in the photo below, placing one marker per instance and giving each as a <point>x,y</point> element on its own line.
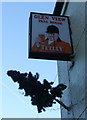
<point>42,94</point>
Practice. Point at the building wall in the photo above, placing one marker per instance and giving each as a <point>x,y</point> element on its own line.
<point>73,73</point>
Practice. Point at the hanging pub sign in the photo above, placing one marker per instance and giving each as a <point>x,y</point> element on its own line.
<point>49,37</point>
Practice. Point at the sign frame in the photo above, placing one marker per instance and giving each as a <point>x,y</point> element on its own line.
<point>48,55</point>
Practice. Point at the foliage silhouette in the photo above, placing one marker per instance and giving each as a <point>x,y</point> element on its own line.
<point>42,95</point>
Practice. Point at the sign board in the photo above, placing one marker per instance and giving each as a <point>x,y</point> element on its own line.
<point>49,37</point>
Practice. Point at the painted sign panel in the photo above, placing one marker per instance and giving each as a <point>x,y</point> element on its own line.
<point>49,37</point>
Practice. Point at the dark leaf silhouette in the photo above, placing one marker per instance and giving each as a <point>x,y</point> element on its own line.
<point>42,94</point>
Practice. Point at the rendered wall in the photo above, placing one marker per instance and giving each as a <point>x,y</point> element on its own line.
<point>74,76</point>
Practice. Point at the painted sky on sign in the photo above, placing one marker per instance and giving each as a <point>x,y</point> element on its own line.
<point>15,19</point>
